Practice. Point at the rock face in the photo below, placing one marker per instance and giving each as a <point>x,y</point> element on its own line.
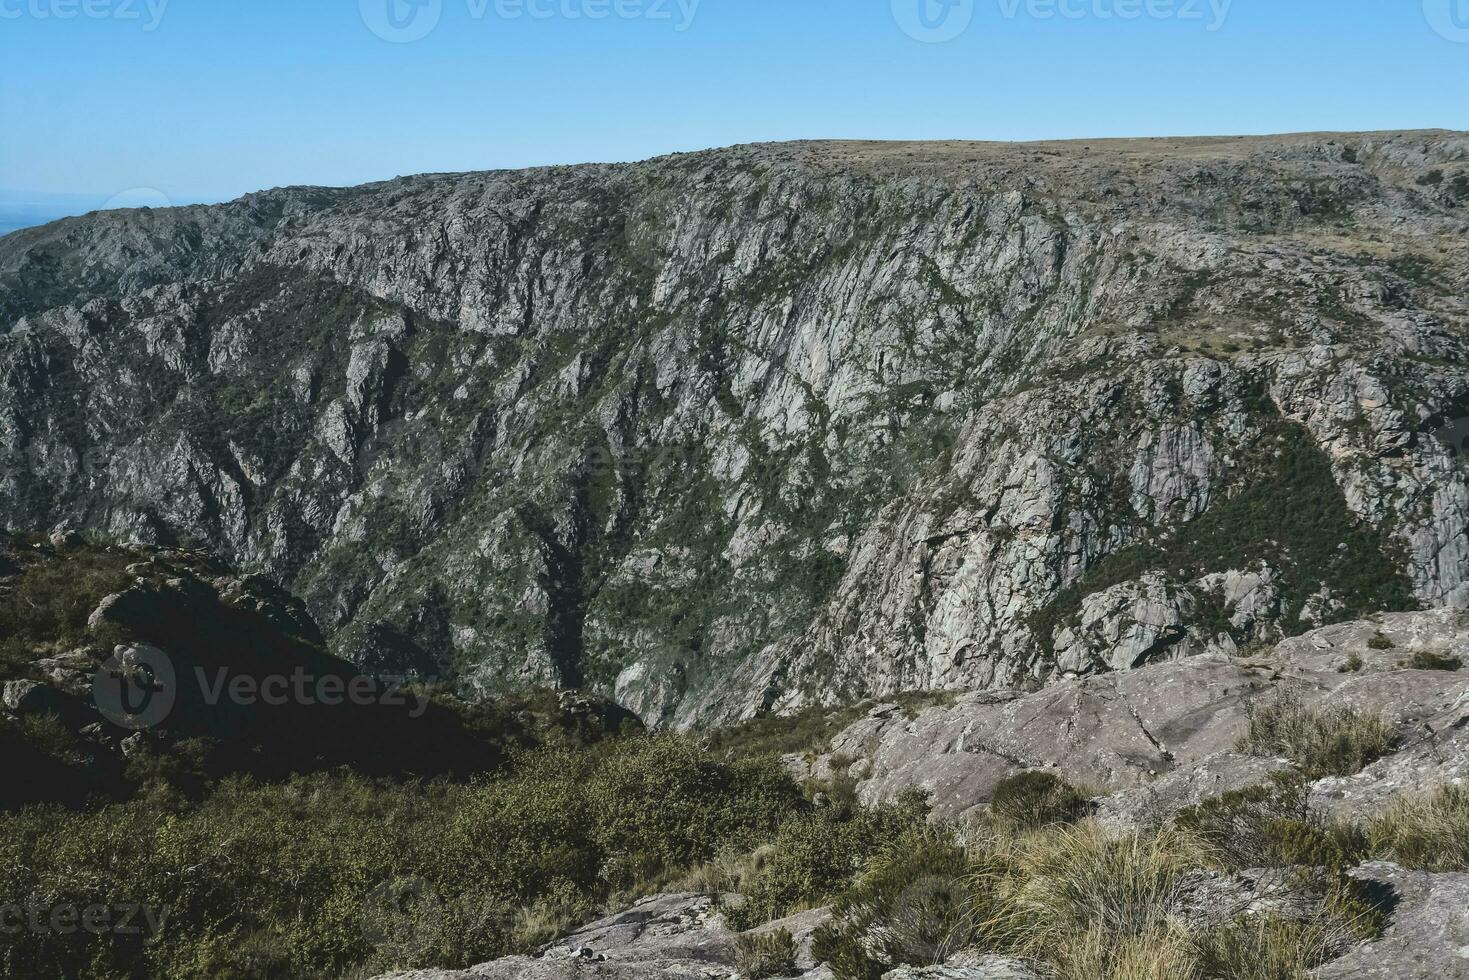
<point>1429,935</point>
<point>1151,741</point>
<point>760,427</point>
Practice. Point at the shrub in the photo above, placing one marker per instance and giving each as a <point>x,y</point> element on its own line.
<point>49,601</point>
<point>1352,665</point>
<point>1266,948</point>
<point>1380,641</point>
<point>1322,741</point>
<point>768,954</point>
<point>1028,800</point>
<point>1270,826</point>
<point>1427,833</point>
<point>1075,879</point>
<point>815,856</point>
<point>922,899</point>
<point>919,901</point>
<point>336,874</point>
<point>1429,660</point>
<point>842,946</point>
<point>663,805</point>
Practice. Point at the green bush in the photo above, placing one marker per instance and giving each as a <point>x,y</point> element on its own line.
<point>1429,660</point>
<point>329,874</point>
<point>919,901</point>
<point>1322,741</point>
<point>1270,826</point>
<point>815,856</point>
<point>842,946</point>
<point>767,954</point>
<point>1028,800</point>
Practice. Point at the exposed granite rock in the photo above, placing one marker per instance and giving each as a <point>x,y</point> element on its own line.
<point>1150,741</point>
<point>1428,938</point>
<point>1126,626</point>
<point>976,968</point>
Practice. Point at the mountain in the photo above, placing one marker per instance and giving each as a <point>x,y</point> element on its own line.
<point>755,428</point>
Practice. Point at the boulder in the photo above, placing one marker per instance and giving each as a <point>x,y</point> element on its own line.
<point>27,697</point>
<point>1428,937</point>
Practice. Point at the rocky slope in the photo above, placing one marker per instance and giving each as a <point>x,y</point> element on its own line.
<point>739,430</point>
<point>1152,741</point>
<point>1147,743</point>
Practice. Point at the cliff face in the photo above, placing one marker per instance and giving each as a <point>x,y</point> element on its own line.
<point>736,430</point>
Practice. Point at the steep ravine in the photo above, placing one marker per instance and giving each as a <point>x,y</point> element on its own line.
<point>742,429</point>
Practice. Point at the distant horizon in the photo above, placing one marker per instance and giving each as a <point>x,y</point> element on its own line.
<point>104,98</point>
<point>22,208</point>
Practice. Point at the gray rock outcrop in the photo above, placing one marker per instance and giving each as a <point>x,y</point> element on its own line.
<point>1151,741</point>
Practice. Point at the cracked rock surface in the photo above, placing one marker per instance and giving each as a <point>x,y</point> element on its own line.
<point>1151,741</point>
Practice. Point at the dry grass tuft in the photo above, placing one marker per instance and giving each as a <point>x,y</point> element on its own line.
<point>1322,741</point>
<point>766,954</point>
<point>1077,879</point>
<point>1426,833</point>
<point>1097,955</point>
<point>1267,949</point>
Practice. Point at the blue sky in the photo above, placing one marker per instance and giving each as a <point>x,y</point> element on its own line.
<point>207,99</point>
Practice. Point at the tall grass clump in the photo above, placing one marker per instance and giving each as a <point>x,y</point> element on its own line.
<point>1165,954</point>
<point>1426,833</point>
<point>1267,948</point>
<point>1073,880</point>
<point>1030,800</point>
<point>1330,741</point>
<point>759,956</point>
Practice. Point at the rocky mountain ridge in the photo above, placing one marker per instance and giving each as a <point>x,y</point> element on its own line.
<point>743,430</point>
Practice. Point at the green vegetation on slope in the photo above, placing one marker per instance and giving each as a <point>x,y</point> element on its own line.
<point>1289,512</point>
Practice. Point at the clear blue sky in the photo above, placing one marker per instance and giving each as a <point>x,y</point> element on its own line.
<point>218,97</point>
